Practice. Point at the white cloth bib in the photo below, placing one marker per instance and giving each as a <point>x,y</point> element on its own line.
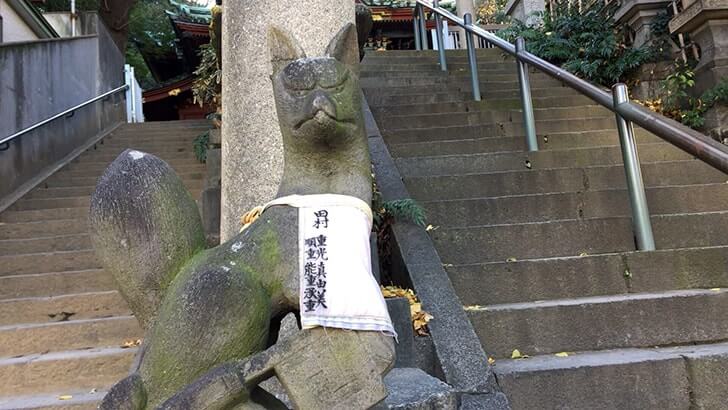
<point>337,286</point>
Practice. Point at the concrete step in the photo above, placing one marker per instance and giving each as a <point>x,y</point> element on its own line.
<point>43,215</point>
<point>487,83</point>
<point>591,275</point>
<point>494,129</point>
<point>554,141</point>
<point>112,153</point>
<point>193,180</point>
<point>181,158</point>
<point>434,97</point>
<point>41,229</point>
<point>663,378</point>
<point>100,164</point>
<point>383,111</point>
<point>451,119</point>
<point>666,200</point>
<point>95,168</point>
<point>487,91</point>
<point>39,204</point>
<point>556,180</point>
<point>90,187</point>
<point>55,283</point>
<point>80,400</point>
<point>459,74</point>
<point>77,370</point>
<point>547,159</point>
<point>572,237</point>
<point>25,339</point>
<point>52,309</point>
<point>48,262</point>
<point>44,245</point>
<point>603,322</point>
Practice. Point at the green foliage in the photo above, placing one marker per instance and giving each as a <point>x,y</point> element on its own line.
<point>695,116</point>
<point>200,145</point>
<point>587,43</point>
<point>151,35</point>
<point>675,87</point>
<point>400,210</point>
<point>206,89</point>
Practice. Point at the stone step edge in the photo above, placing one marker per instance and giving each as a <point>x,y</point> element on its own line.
<point>26,326</point>
<point>596,300</point>
<point>645,145</point>
<point>602,358</point>
<point>49,400</point>
<point>494,123</point>
<point>598,255</point>
<point>56,297</point>
<point>676,162</point>
<point>67,355</point>
<point>533,195</point>
<point>569,220</point>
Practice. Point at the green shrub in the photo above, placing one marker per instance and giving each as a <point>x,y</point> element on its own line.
<point>587,43</point>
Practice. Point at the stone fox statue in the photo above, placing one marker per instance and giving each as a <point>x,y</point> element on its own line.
<point>205,311</point>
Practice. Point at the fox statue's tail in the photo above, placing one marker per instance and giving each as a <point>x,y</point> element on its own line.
<point>144,226</point>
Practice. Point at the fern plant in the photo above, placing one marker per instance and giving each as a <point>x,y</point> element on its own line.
<point>200,145</point>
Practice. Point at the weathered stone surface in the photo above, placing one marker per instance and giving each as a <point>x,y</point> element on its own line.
<point>497,401</point>
<point>399,311</point>
<point>251,143</point>
<point>144,226</point>
<point>708,375</point>
<point>413,389</point>
<point>716,123</point>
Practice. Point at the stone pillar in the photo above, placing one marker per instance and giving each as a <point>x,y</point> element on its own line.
<point>463,7</point>
<point>639,15</point>
<point>523,10</point>
<point>252,151</point>
<point>707,23</point>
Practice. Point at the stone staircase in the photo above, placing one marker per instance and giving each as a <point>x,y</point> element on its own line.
<point>539,246</point>
<point>62,322</point>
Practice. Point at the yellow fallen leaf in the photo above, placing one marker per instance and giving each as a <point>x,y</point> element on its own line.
<point>516,354</point>
<point>511,260</point>
<point>491,361</point>
<point>65,397</point>
<point>583,254</point>
<point>562,354</point>
<point>472,308</point>
<point>716,289</point>
<point>131,343</point>
<point>431,228</point>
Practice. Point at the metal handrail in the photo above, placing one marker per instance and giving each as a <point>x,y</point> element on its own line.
<point>688,140</point>
<point>5,141</point>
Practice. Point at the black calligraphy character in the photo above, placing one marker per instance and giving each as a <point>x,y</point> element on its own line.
<point>310,273</point>
<point>320,299</point>
<point>312,242</point>
<point>322,219</point>
<point>321,270</point>
<point>320,241</point>
<point>309,305</point>
<point>311,254</point>
<point>321,284</point>
<point>321,254</point>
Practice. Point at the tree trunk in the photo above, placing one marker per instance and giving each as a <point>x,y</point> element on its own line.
<point>115,14</point>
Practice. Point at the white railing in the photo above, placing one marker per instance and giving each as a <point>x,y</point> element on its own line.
<point>134,108</point>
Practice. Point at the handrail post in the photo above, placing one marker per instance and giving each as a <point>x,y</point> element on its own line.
<point>472,57</point>
<point>416,23</point>
<point>529,122</point>
<point>440,39</point>
<point>423,27</point>
<point>638,200</point>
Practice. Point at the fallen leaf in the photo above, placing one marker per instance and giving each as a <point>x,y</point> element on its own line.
<point>65,397</point>
<point>516,354</point>
<point>491,361</point>
<point>511,260</point>
<point>562,354</point>
<point>431,228</point>
<point>716,289</point>
<point>131,343</point>
<point>583,254</point>
<point>472,308</point>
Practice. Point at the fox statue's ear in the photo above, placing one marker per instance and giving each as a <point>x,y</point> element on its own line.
<point>345,47</point>
<point>283,49</point>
